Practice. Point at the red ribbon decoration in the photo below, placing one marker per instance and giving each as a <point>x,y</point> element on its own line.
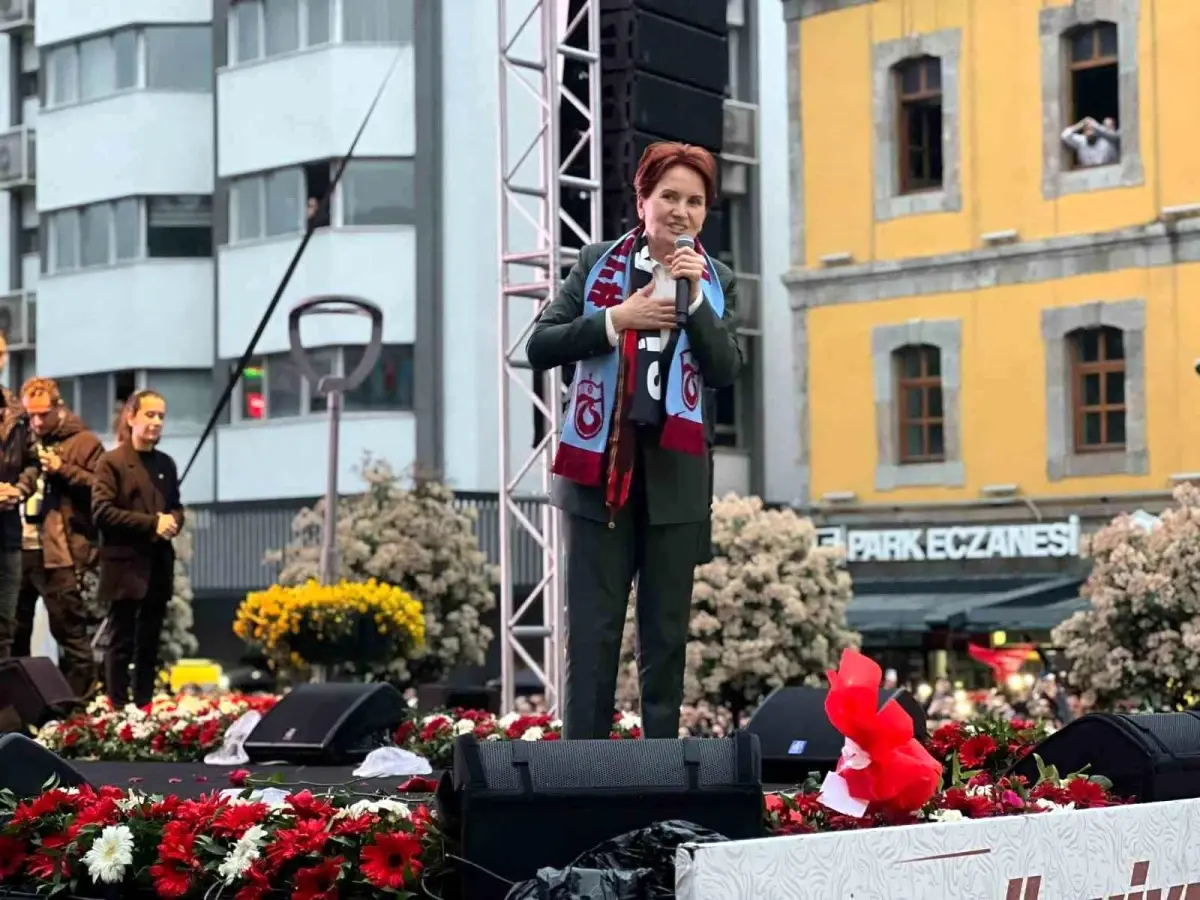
<point>882,765</point>
<point>1003,661</point>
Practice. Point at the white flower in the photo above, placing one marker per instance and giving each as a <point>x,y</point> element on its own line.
<point>1051,806</point>
<point>464,726</point>
<point>946,815</point>
<point>557,723</point>
<point>382,807</point>
<point>493,737</point>
<point>533,733</point>
<point>243,854</point>
<point>507,719</point>
<point>629,721</point>
<point>109,855</point>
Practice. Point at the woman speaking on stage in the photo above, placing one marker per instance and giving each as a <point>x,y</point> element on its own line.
<point>633,472</point>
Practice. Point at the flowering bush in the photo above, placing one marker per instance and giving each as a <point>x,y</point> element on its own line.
<point>433,736</point>
<point>85,841</point>
<point>349,624</point>
<point>769,610</point>
<point>419,539</point>
<point>171,729</point>
<point>1141,637</point>
<point>990,746</point>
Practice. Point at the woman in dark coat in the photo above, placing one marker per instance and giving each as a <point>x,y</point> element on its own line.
<point>634,468</point>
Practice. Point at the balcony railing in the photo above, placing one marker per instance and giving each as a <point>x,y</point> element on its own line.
<point>18,319</point>
<point>16,15</point>
<point>18,156</point>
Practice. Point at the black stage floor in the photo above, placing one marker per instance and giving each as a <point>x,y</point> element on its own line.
<point>194,779</point>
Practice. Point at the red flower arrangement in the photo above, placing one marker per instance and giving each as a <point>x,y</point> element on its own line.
<point>986,745</point>
<point>306,847</point>
<point>433,736</point>
<point>981,797</point>
<point>171,729</point>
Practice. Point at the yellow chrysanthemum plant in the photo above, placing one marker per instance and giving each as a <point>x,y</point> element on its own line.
<point>354,625</point>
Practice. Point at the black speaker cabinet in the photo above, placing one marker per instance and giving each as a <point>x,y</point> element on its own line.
<point>797,737</point>
<point>517,806</point>
<point>26,766</point>
<point>328,724</point>
<point>36,689</point>
<point>1148,757</point>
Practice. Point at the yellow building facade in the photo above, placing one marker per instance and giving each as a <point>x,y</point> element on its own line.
<point>983,322</point>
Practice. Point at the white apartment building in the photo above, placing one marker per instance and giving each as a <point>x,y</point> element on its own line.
<point>159,161</point>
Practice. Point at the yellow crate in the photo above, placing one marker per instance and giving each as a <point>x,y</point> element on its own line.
<point>199,672</point>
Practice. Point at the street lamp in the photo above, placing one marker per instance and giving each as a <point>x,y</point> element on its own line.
<point>333,387</point>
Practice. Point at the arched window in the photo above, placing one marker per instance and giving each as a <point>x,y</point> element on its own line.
<point>1098,388</point>
<point>919,108</point>
<point>919,395</point>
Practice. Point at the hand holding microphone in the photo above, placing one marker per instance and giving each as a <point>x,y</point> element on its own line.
<point>687,268</point>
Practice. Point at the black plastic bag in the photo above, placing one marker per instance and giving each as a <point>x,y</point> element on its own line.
<point>637,865</point>
<point>585,884</point>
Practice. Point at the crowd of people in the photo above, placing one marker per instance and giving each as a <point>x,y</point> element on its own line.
<point>69,507</point>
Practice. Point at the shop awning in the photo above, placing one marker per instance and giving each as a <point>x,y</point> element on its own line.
<point>964,604</point>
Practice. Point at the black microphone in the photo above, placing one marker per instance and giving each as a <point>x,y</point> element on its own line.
<point>683,287</point>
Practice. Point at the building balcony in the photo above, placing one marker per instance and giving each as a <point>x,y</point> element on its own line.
<point>96,319</point>
<point>172,153</point>
<point>377,263</point>
<point>16,16</point>
<point>18,319</point>
<point>308,104</point>
<point>18,157</point>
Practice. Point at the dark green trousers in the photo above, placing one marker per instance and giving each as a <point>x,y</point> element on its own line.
<point>602,563</point>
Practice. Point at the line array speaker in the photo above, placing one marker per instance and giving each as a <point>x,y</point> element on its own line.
<point>664,75</point>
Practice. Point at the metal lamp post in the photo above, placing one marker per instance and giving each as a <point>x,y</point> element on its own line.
<point>332,387</point>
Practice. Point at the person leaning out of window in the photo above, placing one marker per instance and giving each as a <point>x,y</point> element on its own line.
<point>1094,143</point>
<point>634,465</point>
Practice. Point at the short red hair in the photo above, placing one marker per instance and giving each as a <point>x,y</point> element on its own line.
<point>664,155</point>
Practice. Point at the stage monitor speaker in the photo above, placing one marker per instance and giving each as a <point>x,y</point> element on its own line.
<point>36,689</point>
<point>518,806</point>
<point>328,724</point>
<point>638,101</point>
<point>431,697</point>
<point>797,738</point>
<point>634,39</point>
<point>1148,757</point>
<point>26,766</point>
<point>710,15</point>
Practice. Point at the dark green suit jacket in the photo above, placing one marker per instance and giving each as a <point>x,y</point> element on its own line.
<point>678,485</point>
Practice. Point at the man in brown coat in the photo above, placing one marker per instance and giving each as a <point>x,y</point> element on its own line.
<point>59,540</point>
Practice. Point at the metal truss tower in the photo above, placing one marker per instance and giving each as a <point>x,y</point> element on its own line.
<point>549,207</point>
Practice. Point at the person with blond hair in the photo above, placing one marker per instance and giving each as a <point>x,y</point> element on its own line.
<point>633,470</point>
<point>58,540</point>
